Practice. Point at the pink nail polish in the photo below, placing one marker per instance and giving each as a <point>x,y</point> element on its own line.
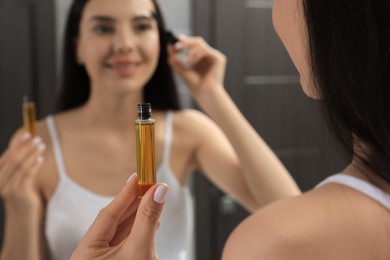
<point>131,177</point>
<point>161,193</point>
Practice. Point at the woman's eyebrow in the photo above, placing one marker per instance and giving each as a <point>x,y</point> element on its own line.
<point>151,16</point>
<point>101,18</point>
<point>105,18</point>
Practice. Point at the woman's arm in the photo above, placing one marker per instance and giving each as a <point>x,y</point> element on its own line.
<point>263,175</point>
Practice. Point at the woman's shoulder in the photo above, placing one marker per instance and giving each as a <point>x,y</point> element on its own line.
<point>198,125</point>
<point>42,124</point>
<point>274,232</point>
<point>326,223</point>
<point>189,115</point>
<point>190,121</point>
<point>192,118</point>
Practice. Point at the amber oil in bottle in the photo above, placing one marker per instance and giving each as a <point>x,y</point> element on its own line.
<point>145,148</point>
<point>29,115</point>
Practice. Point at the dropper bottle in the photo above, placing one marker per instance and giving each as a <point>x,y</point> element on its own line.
<point>145,148</point>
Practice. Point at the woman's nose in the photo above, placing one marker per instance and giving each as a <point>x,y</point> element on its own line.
<point>124,41</point>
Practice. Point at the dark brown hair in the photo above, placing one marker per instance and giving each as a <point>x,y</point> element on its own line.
<point>349,48</point>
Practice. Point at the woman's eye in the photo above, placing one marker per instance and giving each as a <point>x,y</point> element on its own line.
<point>103,29</point>
<point>143,27</point>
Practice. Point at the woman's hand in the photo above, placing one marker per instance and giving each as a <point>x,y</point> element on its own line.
<point>202,68</point>
<point>18,166</point>
<point>126,228</point>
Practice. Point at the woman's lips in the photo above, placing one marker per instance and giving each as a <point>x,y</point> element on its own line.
<point>124,68</point>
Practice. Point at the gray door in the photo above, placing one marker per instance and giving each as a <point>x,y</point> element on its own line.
<point>265,85</point>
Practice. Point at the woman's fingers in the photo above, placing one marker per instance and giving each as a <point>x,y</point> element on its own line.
<point>20,160</point>
<point>104,227</point>
<point>29,166</point>
<point>123,230</point>
<point>148,217</point>
<point>127,219</point>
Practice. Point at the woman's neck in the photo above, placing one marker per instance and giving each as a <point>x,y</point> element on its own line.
<point>358,170</point>
<point>111,111</point>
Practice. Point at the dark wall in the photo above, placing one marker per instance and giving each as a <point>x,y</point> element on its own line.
<point>27,62</point>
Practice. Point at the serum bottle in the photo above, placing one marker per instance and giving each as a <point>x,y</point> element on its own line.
<point>29,115</point>
<point>145,148</point>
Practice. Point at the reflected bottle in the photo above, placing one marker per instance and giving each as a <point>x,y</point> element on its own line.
<point>29,115</point>
<point>145,148</point>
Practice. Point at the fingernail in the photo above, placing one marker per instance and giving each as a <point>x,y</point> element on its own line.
<point>25,136</point>
<point>41,147</point>
<point>36,141</point>
<point>39,159</point>
<point>178,45</point>
<point>161,193</point>
<point>131,177</point>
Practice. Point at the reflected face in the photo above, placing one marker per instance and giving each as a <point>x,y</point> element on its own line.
<point>289,23</point>
<point>118,44</point>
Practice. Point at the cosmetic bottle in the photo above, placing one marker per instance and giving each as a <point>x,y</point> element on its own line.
<point>29,115</point>
<point>145,148</point>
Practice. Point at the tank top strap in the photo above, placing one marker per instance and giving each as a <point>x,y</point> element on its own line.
<point>56,147</point>
<point>364,187</point>
<point>168,137</point>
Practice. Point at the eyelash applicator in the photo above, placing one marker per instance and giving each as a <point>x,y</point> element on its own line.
<point>173,39</point>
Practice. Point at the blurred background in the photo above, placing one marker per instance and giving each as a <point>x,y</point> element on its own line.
<point>260,78</point>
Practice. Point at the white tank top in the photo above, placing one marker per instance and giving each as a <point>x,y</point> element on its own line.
<point>72,208</point>
<point>362,186</point>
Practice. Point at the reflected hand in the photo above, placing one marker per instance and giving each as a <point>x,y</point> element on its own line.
<point>202,69</point>
<point>126,228</point>
<point>18,166</point>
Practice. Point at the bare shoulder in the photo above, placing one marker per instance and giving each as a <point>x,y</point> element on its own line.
<point>274,232</point>
<point>329,223</point>
<point>202,129</point>
<point>42,130</point>
<point>193,122</point>
<point>191,117</point>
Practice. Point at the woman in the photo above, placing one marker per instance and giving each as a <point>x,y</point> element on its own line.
<point>341,49</point>
<point>115,58</point>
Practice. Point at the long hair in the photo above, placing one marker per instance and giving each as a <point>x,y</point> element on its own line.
<point>161,89</point>
<point>349,52</point>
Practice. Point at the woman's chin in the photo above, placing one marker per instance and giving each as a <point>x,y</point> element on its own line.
<point>309,89</point>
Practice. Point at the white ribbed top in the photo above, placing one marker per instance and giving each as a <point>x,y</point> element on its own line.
<point>362,186</point>
<point>72,208</point>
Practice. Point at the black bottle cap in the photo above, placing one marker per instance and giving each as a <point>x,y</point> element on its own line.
<point>27,98</point>
<point>171,38</point>
<point>144,111</point>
